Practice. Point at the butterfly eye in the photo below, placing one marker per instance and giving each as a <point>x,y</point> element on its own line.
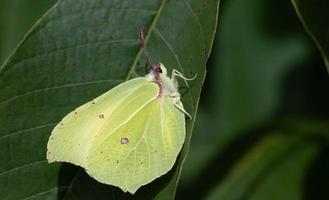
<point>158,70</point>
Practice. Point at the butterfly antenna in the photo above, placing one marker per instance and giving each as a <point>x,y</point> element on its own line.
<point>179,74</point>
<point>142,40</point>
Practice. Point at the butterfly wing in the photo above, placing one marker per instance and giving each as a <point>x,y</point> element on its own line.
<point>139,150</point>
<point>72,138</point>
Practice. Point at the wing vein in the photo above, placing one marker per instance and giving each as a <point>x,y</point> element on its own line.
<point>128,119</point>
<point>161,131</point>
<point>134,168</point>
<point>148,157</point>
<point>173,114</point>
<point>139,141</point>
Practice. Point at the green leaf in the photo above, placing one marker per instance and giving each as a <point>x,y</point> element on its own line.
<point>314,16</point>
<point>16,16</point>
<point>246,75</point>
<point>268,170</point>
<point>77,51</point>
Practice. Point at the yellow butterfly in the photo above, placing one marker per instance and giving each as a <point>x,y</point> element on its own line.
<point>128,136</point>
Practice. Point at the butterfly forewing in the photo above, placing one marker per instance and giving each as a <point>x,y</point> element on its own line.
<point>71,139</point>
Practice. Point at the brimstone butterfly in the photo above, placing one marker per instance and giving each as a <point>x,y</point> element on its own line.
<point>128,136</point>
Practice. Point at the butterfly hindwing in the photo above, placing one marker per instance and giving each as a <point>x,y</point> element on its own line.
<point>141,150</point>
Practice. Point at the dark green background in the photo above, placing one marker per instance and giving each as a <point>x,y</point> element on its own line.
<point>262,126</point>
<point>266,80</point>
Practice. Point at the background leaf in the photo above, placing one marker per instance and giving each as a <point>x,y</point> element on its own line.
<point>245,79</point>
<point>16,17</point>
<point>268,170</point>
<point>77,51</point>
<point>264,73</point>
<point>314,16</point>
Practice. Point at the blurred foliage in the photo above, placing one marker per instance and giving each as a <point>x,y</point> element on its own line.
<point>264,75</point>
<point>16,18</point>
<point>262,128</point>
<point>273,165</point>
<point>314,16</point>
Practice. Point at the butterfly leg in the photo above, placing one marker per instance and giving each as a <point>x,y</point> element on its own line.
<point>176,100</point>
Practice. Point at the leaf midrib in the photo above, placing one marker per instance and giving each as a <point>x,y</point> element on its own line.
<point>148,35</point>
<point>132,68</point>
<point>137,58</point>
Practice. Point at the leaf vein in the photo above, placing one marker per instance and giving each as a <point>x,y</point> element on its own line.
<point>44,192</point>
<point>69,187</point>
<point>199,25</point>
<point>57,87</point>
<point>170,47</point>
<point>78,12</point>
<point>149,33</point>
<point>2,67</point>
<point>54,51</point>
<point>26,130</point>
<point>21,167</point>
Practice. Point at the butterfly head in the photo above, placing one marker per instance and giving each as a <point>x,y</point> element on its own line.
<point>158,71</point>
<point>162,69</point>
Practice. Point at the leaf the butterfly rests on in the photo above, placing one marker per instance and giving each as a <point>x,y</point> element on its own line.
<point>128,136</point>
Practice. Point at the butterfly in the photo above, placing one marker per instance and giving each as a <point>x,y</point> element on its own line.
<point>128,136</point>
